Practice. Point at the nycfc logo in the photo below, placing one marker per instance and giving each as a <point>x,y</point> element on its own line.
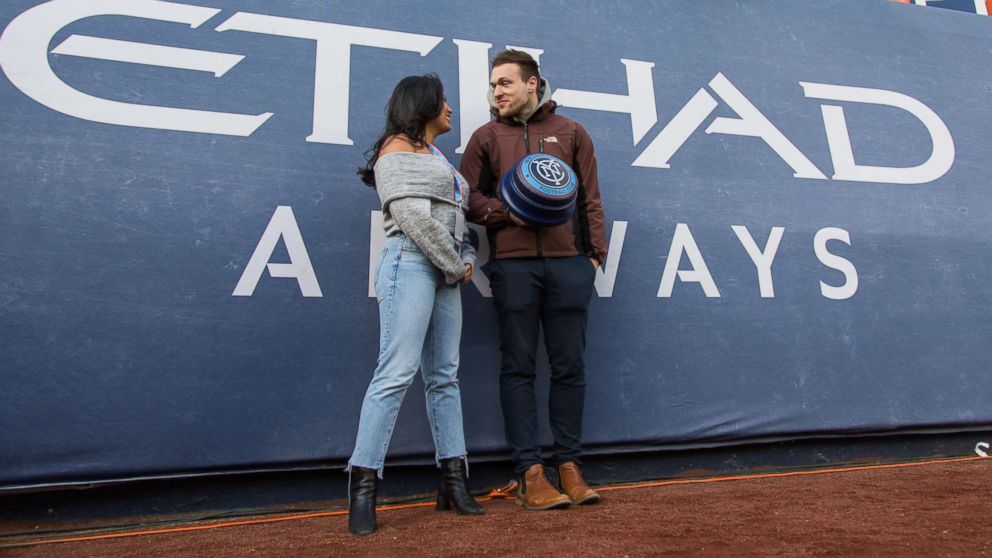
<point>550,172</point>
<point>539,189</point>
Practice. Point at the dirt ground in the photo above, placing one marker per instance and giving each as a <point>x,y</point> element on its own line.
<point>942,509</point>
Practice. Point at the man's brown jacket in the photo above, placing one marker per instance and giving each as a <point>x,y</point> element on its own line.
<point>496,147</point>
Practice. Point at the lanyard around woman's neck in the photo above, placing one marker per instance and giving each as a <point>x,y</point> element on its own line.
<point>454,174</point>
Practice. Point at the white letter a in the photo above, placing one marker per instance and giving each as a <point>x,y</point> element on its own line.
<point>682,242</point>
<point>282,224</point>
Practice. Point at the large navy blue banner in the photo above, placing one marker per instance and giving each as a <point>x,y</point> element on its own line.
<point>797,198</point>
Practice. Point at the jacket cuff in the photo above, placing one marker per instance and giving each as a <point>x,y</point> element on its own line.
<point>599,256</point>
<point>496,214</point>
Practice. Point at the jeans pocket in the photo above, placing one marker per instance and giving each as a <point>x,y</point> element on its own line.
<point>492,271</point>
<point>587,270</point>
<point>386,268</point>
<point>383,256</point>
<point>409,246</point>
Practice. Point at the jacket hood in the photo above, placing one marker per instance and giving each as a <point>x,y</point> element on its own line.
<point>544,104</point>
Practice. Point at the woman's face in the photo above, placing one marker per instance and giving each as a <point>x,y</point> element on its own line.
<point>442,122</point>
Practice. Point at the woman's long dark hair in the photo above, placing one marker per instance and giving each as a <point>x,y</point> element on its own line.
<point>415,101</point>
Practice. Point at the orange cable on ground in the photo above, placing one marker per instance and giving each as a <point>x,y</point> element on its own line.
<point>487,498</point>
<point>790,474</point>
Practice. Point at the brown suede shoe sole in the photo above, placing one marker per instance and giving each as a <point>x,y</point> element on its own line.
<point>559,505</point>
<point>589,499</point>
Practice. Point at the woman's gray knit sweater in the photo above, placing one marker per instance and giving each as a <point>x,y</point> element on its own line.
<point>417,192</point>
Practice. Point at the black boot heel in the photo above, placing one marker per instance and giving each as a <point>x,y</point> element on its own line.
<point>442,503</point>
<point>361,502</point>
<point>452,489</point>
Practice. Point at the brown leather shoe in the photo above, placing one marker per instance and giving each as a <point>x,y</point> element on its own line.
<point>536,493</point>
<point>571,483</point>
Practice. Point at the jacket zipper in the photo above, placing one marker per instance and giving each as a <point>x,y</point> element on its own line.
<point>537,230</point>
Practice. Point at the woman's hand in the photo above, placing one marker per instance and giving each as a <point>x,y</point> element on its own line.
<point>468,274</point>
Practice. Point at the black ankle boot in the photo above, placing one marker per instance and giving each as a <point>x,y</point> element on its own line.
<point>361,503</point>
<point>452,490</point>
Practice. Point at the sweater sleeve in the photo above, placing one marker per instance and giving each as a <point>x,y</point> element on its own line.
<point>413,215</point>
<point>467,253</point>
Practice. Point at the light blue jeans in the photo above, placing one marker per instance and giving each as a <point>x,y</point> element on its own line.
<point>420,326</point>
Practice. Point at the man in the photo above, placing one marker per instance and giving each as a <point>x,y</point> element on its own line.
<point>539,275</point>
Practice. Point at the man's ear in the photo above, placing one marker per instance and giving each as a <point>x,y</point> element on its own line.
<point>532,83</point>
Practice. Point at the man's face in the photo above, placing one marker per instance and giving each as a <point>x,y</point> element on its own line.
<point>513,95</point>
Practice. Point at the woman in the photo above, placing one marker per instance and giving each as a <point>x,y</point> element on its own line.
<point>425,258</point>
